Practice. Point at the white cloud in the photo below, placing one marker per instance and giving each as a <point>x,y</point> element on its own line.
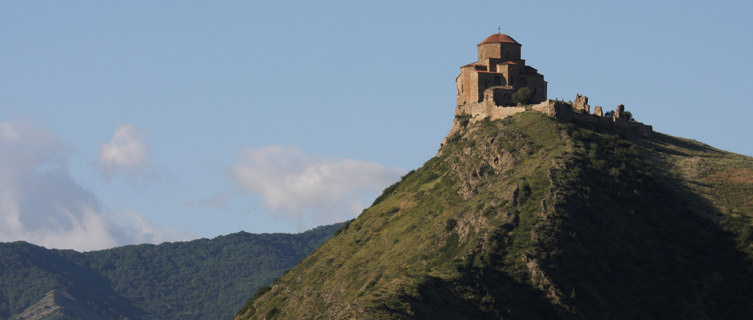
<point>125,152</point>
<point>135,228</point>
<point>83,229</point>
<point>41,203</point>
<point>310,188</point>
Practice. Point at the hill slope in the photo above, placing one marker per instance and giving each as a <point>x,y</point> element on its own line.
<point>528,218</point>
<point>200,279</point>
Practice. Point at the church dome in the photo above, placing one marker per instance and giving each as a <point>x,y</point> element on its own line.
<point>499,37</point>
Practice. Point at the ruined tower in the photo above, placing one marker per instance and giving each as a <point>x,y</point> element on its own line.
<point>498,73</point>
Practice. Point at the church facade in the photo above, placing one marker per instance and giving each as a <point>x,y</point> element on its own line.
<point>498,73</point>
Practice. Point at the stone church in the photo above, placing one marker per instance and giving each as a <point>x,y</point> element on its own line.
<point>498,73</point>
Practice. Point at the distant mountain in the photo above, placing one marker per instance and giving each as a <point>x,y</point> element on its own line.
<point>200,279</point>
<point>530,218</point>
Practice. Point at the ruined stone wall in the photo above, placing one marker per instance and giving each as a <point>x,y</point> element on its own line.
<point>554,109</point>
<point>479,111</point>
<point>564,112</point>
<point>632,126</point>
<point>473,112</point>
<point>581,103</point>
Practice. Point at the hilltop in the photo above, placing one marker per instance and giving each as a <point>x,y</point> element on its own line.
<point>528,217</point>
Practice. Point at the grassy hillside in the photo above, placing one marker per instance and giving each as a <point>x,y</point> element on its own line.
<point>527,218</point>
<point>200,279</point>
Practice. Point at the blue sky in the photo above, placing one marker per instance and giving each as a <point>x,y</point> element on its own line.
<point>148,121</point>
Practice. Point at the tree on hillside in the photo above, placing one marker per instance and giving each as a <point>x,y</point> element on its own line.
<point>626,115</point>
<point>523,95</point>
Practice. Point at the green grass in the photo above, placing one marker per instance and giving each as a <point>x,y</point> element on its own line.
<point>529,218</point>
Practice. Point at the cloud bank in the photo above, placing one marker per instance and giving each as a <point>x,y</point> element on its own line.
<point>42,204</point>
<point>310,188</point>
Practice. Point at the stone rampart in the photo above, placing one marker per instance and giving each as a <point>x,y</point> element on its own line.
<point>473,112</point>
<point>486,109</point>
<point>555,109</point>
<point>581,103</point>
<point>564,112</point>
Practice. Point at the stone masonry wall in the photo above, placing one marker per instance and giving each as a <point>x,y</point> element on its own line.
<point>477,111</point>
<point>564,112</point>
<point>581,103</point>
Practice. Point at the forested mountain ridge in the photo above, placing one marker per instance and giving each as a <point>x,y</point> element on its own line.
<point>199,279</point>
<point>530,218</point>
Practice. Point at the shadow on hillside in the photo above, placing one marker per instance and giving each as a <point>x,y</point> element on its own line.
<point>54,270</point>
<point>481,293</point>
<point>641,246</point>
<point>682,143</point>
